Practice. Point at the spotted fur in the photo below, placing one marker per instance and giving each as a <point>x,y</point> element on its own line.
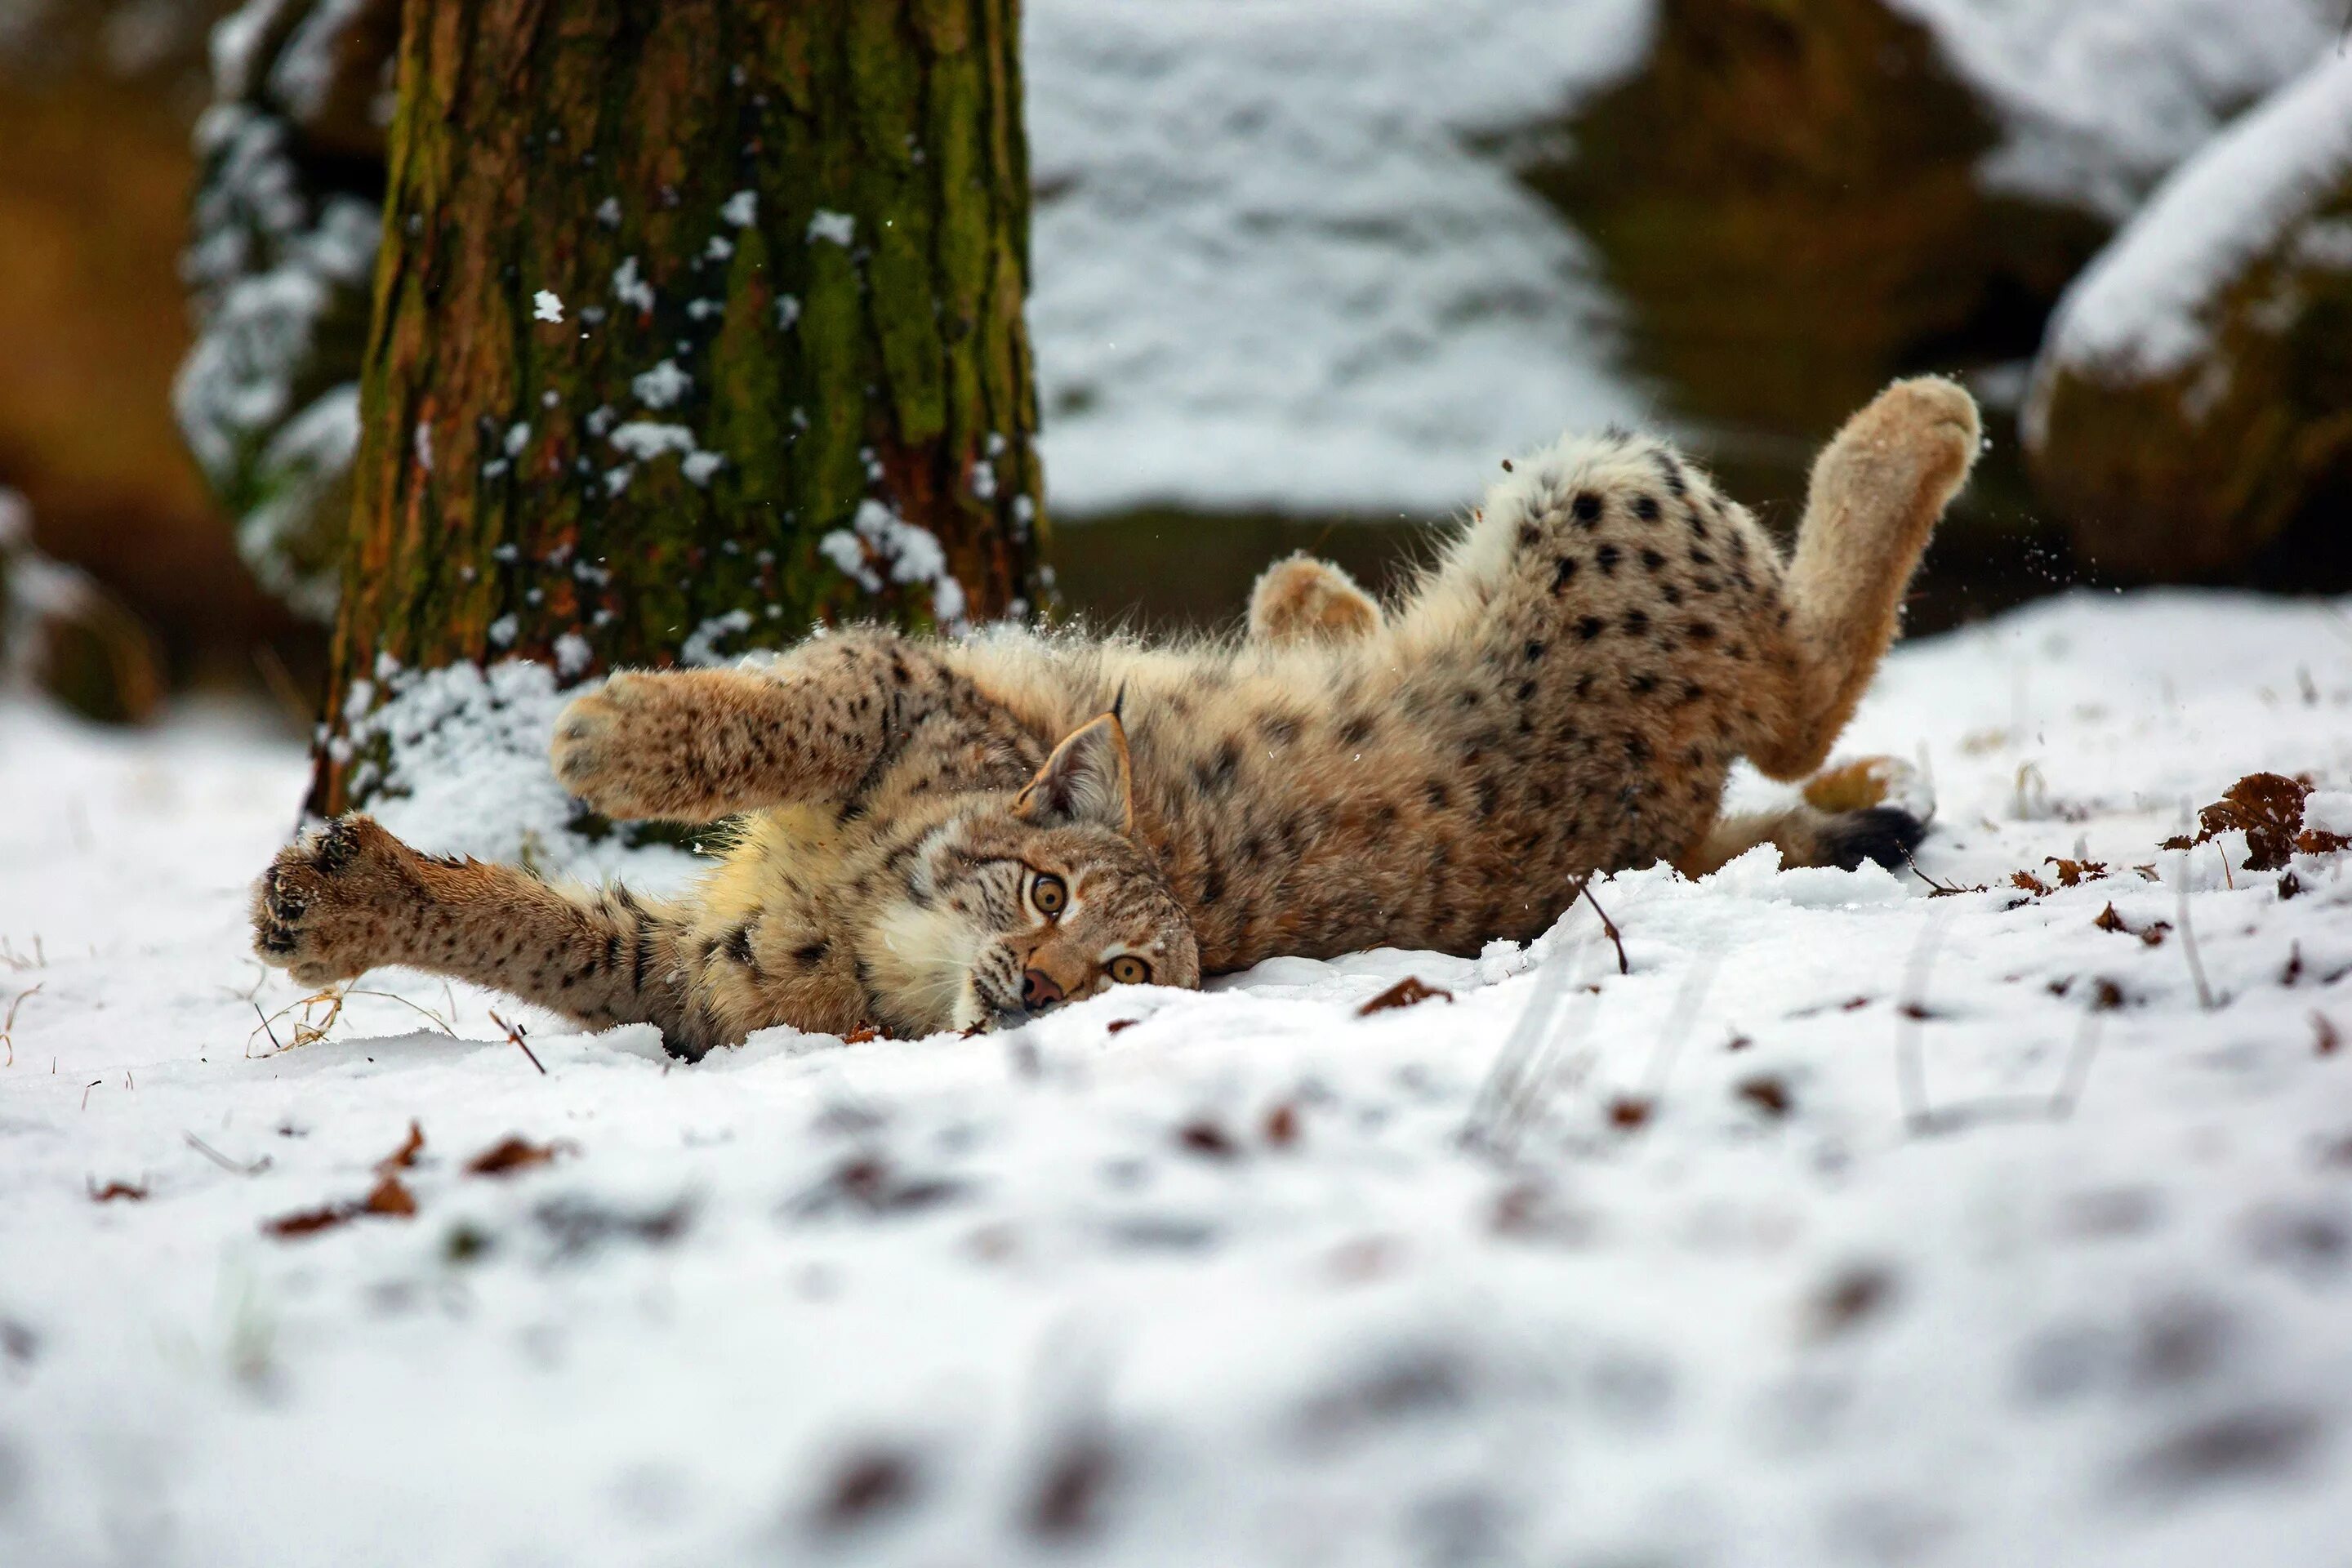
<point>1564,690</point>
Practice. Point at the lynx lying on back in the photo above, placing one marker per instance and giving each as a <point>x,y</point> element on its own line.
<point>941,836</point>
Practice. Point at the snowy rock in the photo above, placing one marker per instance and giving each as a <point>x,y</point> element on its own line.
<point>60,633</point>
<point>2190,399</point>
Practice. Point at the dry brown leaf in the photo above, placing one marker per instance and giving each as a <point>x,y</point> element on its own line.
<point>114,1190</point>
<point>2266,807</point>
<point>404,1157</point>
<point>2327,1040</point>
<point>516,1153</point>
<point>1205,1137</point>
<point>2109,921</point>
<point>391,1196</point>
<point>1281,1125</point>
<point>1118,1024</point>
<point>309,1222</point>
<point>2073,873</point>
<point>2028,882</point>
<point>1766,1093</point>
<point>860,1035</point>
<point>1405,992</point>
<point>2318,841</point>
<point>1629,1111</point>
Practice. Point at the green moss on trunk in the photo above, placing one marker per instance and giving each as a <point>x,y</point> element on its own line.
<point>788,241</point>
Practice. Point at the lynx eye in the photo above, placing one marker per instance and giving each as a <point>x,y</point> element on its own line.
<point>1049,893</point>
<point>1129,970</point>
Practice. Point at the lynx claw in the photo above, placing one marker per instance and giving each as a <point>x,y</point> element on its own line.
<point>308,916</point>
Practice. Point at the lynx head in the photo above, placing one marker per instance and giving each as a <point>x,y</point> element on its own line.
<point>1021,906</point>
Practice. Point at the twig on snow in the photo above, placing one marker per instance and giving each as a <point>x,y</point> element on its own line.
<point>515,1033</point>
<point>1607,925</point>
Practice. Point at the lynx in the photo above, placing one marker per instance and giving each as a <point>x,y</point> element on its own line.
<point>937,835</point>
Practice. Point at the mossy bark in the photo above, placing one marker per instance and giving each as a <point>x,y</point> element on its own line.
<point>787,243</point>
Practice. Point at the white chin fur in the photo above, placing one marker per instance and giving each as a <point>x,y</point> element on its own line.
<point>923,967</point>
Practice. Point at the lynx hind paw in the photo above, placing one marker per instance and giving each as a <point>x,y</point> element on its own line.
<point>1867,782</point>
<point>319,910</point>
<point>1918,435</point>
<point>1301,598</point>
<point>1882,834</point>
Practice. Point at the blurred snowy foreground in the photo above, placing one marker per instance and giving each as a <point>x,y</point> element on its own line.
<point>1857,1224</point>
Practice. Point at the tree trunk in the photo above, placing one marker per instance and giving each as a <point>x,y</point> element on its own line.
<point>697,324</point>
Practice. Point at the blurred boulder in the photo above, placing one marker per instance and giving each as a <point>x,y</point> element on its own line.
<point>2194,398</point>
<point>62,633</point>
<point>281,268</point>
<point>1790,199</point>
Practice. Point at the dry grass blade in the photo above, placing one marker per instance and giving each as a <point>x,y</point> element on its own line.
<point>222,1161</point>
<point>8,1024</point>
<point>1910,1064</point>
<point>2188,936</point>
<point>1634,1110</point>
<point>312,1017</point>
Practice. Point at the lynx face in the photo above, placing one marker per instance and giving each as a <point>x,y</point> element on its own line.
<point>1017,910</point>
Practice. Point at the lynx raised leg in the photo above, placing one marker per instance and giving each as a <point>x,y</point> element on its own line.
<point>699,744</point>
<point>351,897</point>
<point>1877,490</point>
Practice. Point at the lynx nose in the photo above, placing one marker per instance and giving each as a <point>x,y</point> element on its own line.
<point>1038,991</point>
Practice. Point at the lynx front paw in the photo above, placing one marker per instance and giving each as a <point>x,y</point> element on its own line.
<point>623,747</point>
<point>330,907</point>
<point>1302,599</point>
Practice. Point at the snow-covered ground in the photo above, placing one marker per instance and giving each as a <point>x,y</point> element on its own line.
<point>1743,1264</point>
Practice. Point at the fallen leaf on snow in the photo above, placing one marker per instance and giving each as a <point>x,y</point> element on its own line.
<point>404,1157</point>
<point>516,1153</point>
<point>1405,992</point>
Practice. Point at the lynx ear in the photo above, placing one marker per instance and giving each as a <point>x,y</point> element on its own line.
<point>1086,781</point>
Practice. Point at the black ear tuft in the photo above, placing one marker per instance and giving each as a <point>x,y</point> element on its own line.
<point>1086,781</point>
<point>1884,834</point>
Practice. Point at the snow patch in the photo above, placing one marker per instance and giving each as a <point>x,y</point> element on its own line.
<point>663,387</point>
<point>2145,308</point>
<point>879,542</point>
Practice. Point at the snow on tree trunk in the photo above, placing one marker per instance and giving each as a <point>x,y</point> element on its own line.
<point>2194,395</point>
<point>282,249</point>
<point>696,325</point>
